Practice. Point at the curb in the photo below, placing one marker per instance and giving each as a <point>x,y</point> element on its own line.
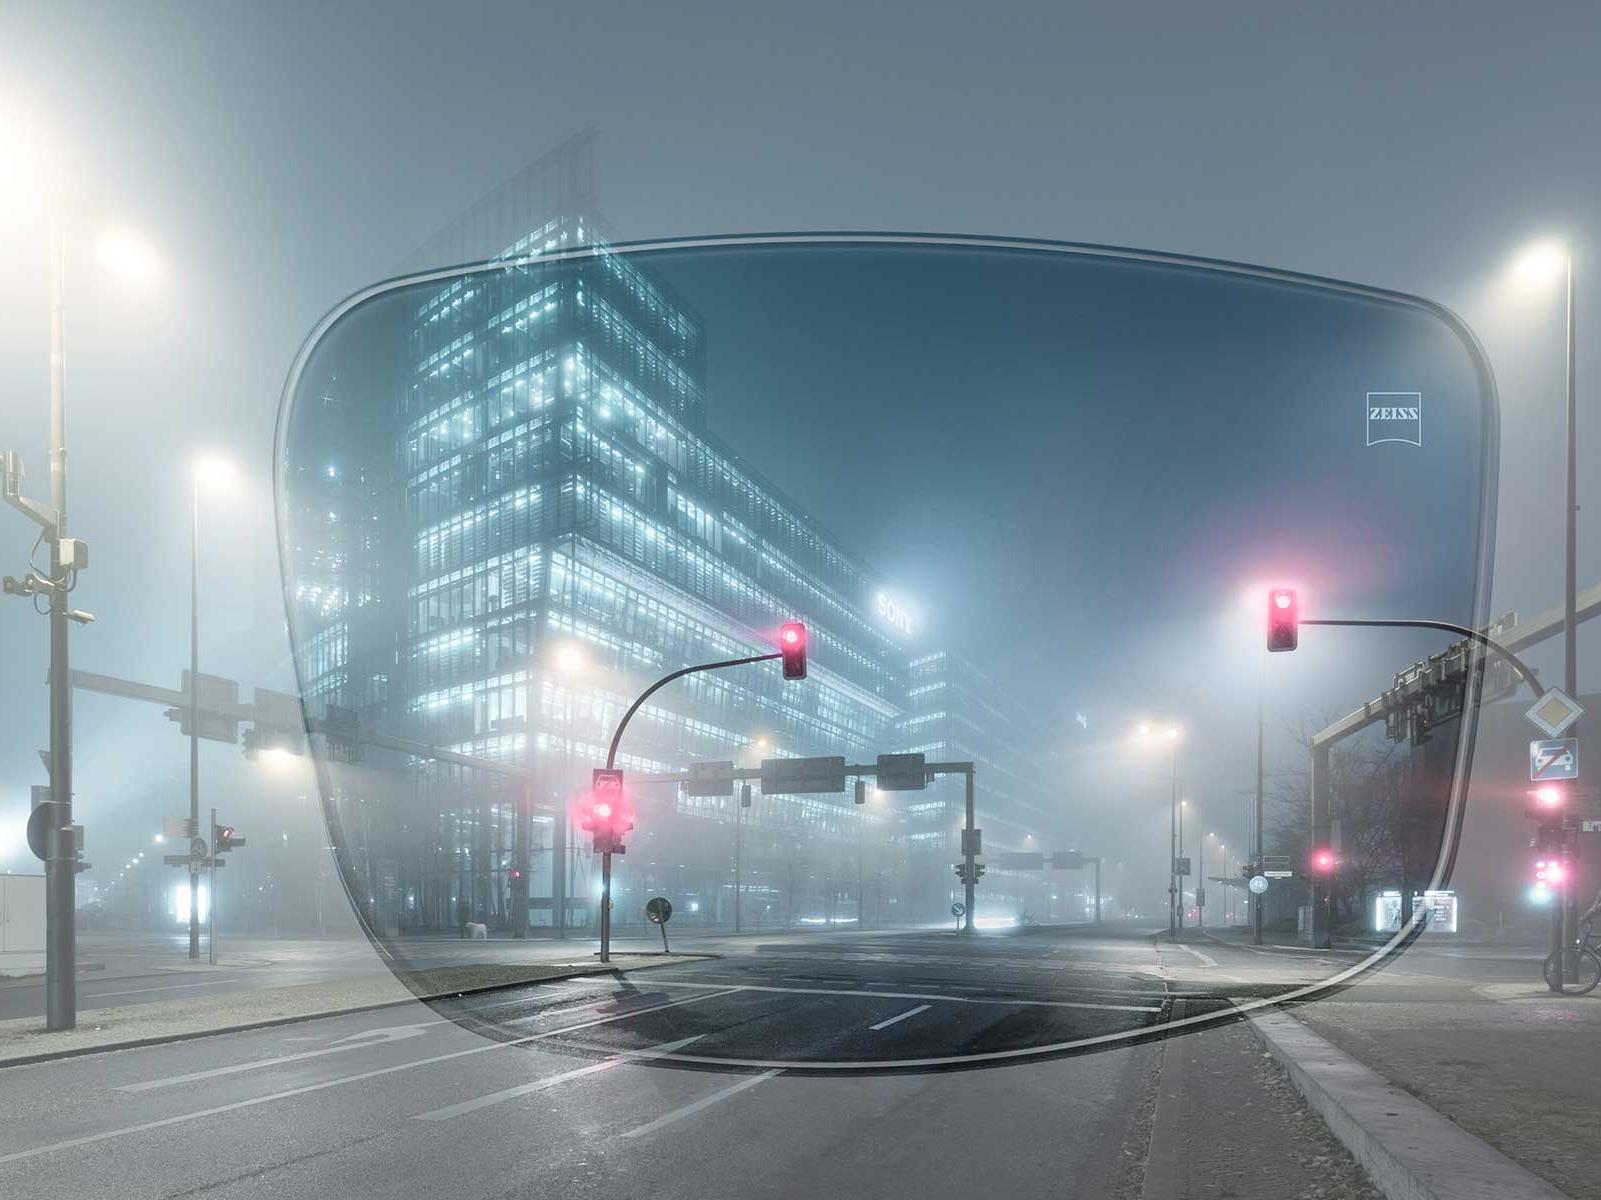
<point>1410,1151</point>
<point>23,1060</point>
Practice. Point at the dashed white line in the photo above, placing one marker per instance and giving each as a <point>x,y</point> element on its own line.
<point>910,1012</point>
<point>757,987</point>
<point>679,1114</point>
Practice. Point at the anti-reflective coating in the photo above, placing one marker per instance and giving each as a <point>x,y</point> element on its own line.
<point>1028,501</point>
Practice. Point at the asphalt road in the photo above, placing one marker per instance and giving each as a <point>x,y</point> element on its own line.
<point>797,1068</point>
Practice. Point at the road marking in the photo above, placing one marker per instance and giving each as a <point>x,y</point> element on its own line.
<point>704,1102</point>
<point>549,1081</point>
<point>1205,958</point>
<point>146,1126</point>
<point>757,987</point>
<point>633,1012</point>
<point>171,988</point>
<point>363,1040</point>
<point>910,1012</point>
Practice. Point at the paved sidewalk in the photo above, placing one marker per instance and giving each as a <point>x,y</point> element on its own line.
<point>1471,1031</point>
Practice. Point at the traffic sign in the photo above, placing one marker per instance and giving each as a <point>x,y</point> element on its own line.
<point>658,910</point>
<point>1258,884</point>
<point>958,909</point>
<point>791,776</point>
<point>1181,866</point>
<point>1200,897</point>
<point>1554,760</point>
<point>42,821</point>
<point>1279,874</point>
<point>902,773</point>
<point>1554,712</point>
<point>197,848</point>
<point>710,779</point>
<point>178,828</point>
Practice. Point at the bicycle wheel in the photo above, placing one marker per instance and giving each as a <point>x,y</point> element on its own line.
<point>1581,970</point>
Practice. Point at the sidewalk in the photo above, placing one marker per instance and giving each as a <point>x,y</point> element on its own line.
<point>1473,1033</point>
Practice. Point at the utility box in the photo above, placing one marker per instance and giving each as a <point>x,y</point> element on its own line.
<point>21,924</point>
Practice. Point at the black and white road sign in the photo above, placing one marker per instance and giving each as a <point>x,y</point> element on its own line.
<point>1258,884</point>
<point>958,909</point>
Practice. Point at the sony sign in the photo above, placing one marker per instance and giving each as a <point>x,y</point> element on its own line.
<point>893,614</point>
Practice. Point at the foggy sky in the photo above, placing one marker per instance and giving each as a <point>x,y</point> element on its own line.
<point>283,156</point>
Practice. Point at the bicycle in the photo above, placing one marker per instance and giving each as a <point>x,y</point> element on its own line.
<point>1579,964</point>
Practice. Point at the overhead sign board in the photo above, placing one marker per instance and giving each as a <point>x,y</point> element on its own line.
<point>218,702</point>
<point>790,776</point>
<point>1553,760</point>
<point>1067,860</point>
<point>1554,712</point>
<point>710,779</point>
<point>902,772</point>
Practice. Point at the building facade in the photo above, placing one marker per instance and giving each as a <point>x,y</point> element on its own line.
<point>528,522</point>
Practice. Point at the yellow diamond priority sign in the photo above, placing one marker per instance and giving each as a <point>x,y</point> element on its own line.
<point>1554,712</point>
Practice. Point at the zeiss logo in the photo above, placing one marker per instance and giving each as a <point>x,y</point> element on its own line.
<point>1395,417</point>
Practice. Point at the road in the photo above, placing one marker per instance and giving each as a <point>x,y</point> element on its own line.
<point>781,1070</point>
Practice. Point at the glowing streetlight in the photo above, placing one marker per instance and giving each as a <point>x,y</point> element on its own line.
<point>1546,263</point>
<point>569,658</point>
<point>129,258</point>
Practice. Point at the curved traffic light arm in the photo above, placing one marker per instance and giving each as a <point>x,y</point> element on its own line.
<point>1490,643</point>
<point>611,755</point>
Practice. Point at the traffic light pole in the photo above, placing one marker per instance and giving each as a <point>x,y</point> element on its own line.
<point>194,713</point>
<point>969,853</point>
<point>211,896</point>
<point>611,763</point>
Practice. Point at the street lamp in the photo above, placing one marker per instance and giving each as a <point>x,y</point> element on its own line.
<point>208,472</point>
<point>1541,265</point>
<point>23,154</point>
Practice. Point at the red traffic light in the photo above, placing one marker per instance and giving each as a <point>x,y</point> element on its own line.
<point>604,811</point>
<point>1323,861</point>
<point>1283,619</point>
<point>1545,803</point>
<point>792,648</point>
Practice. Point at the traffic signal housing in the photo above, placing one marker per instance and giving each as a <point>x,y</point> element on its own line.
<point>605,812</point>
<point>1283,619</point>
<point>1546,802</point>
<point>223,839</point>
<point>792,648</point>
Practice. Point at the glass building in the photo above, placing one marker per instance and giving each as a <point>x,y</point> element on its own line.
<point>530,523</point>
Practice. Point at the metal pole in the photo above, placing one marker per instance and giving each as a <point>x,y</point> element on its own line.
<point>1173,849</point>
<point>1097,891</point>
<point>1254,902</point>
<point>1179,808</point>
<point>61,979</point>
<point>739,824</point>
<point>1569,897</point>
<point>1321,930</point>
<point>861,871</point>
<point>211,896</point>
<point>605,907</point>
<point>194,712</point>
<point>967,857</point>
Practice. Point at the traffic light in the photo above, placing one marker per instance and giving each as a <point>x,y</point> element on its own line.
<point>961,871</point>
<point>1283,619</point>
<point>978,871</point>
<point>1549,876</point>
<point>861,791</point>
<point>792,646</point>
<point>223,839</point>
<point>605,812</point>
<point>1323,861</point>
<point>1546,802</point>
